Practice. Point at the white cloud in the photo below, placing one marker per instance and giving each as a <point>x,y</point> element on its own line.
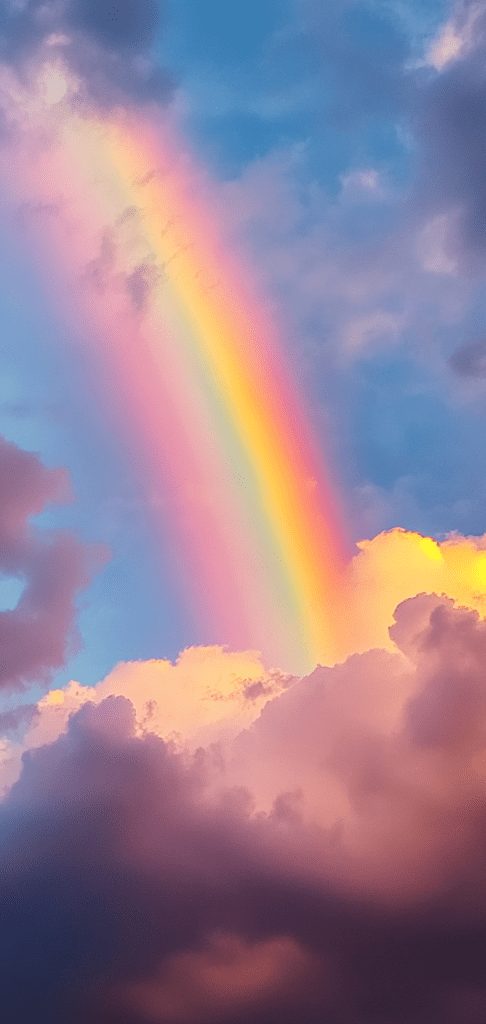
<point>377,326</point>
<point>454,39</point>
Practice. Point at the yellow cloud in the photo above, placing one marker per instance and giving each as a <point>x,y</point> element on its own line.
<point>208,692</point>
<point>396,565</point>
<point>54,697</point>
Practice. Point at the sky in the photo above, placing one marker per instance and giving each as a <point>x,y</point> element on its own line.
<point>242,526</point>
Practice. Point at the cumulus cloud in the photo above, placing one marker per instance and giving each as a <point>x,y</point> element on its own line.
<point>206,694</point>
<point>388,750</point>
<point>210,694</point>
<point>169,892</point>
<point>210,841</point>
<point>38,634</point>
<point>397,564</point>
<point>145,883</point>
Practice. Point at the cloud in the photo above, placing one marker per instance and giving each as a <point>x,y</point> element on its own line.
<point>209,694</point>
<point>376,745</point>
<point>113,24</point>
<point>105,271</point>
<point>106,44</point>
<point>125,839</point>
<point>99,271</point>
<point>228,975</point>
<point>139,284</point>
<point>206,697</point>
<point>140,885</point>
<point>207,841</point>
<point>470,359</point>
<point>445,115</point>
<point>124,24</point>
<point>37,635</point>
<point>398,564</point>
<point>10,721</point>
<point>457,36</point>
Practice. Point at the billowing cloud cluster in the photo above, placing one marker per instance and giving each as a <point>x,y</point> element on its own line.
<point>326,864</point>
<point>211,841</point>
<point>38,634</point>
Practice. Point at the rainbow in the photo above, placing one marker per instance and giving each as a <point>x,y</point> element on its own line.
<point>185,358</point>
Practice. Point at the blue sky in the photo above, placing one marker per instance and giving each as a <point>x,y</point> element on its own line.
<point>312,118</point>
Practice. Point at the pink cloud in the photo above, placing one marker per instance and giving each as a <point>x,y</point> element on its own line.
<point>227,976</point>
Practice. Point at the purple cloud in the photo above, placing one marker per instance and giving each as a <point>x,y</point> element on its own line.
<point>105,42</point>
<point>37,635</point>
<point>469,360</point>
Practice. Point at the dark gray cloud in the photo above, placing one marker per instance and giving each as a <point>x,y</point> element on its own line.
<point>106,43</point>
<point>447,116</point>
<point>139,284</point>
<point>101,273</point>
<point>117,24</point>
<point>113,24</point>
<point>37,635</point>
<point>470,360</point>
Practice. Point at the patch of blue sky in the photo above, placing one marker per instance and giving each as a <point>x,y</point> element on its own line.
<point>332,75</point>
<point>225,33</point>
<point>11,590</point>
<point>403,428</point>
